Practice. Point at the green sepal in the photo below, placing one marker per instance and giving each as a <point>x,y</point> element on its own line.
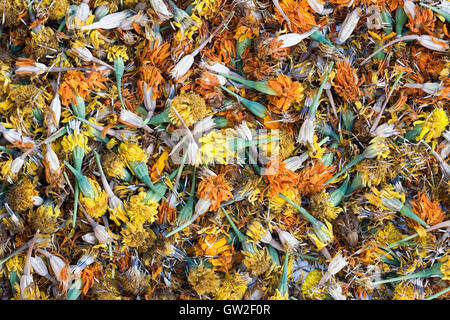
<point>387,22</point>
<point>83,183</point>
<point>337,195</point>
<point>162,117</point>
<point>13,279</point>
<point>273,254</point>
<point>221,122</point>
<point>37,114</point>
<point>74,291</point>
<point>411,135</point>
<point>317,36</point>
<point>400,20</point>
<point>79,107</point>
<point>348,118</point>
<point>260,86</point>
<point>188,209</point>
<point>283,286</point>
<point>254,107</point>
<point>119,68</point>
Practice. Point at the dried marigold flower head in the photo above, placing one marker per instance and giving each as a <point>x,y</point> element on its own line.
<point>204,280</point>
<point>346,82</point>
<point>428,210</point>
<point>279,178</point>
<point>288,92</point>
<point>312,178</point>
<point>215,188</point>
<point>299,14</point>
<point>190,106</point>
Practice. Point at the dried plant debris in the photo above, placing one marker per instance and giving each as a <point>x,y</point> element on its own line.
<point>224,149</point>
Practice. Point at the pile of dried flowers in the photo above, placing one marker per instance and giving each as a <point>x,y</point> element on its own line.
<point>220,149</point>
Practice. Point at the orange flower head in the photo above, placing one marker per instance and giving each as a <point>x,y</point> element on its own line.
<point>423,20</point>
<point>279,177</point>
<point>153,77</point>
<point>346,82</point>
<point>218,247</point>
<point>73,82</point>
<point>288,92</point>
<point>312,178</point>
<point>95,80</point>
<point>216,189</point>
<point>428,210</point>
<point>222,48</point>
<point>299,13</point>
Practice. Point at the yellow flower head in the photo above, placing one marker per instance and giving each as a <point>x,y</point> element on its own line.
<point>117,51</point>
<point>16,263</point>
<point>6,105</point>
<point>44,218</point>
<point>281,206</point>
<point>190,106</point>
<point>258,263</point>
<point>95,207</point>
<point>279,296</point>
<point>308,284</point>
<point>252,189</point>
<point>204,280</point>
<point>136,236</point>
<point>70,141</point>
<point>5,171</point>
<point>233,287</point>
<point>321,207</point>
<point>214,148</point>
<point>256,231</point>
<point>20,196</point>
<point>140,211</point>
<point>132,152</point>
<point>389,234</point>
<point>316,151</point>
<point>43,43</point>
<point>194,25</point>
<point>96,39</point>
<point>56,9</point>
<point>377,148</point>
<point>375,172</point>
<point>5,79</point>
<point>113,165</point>
<point>434,125</point>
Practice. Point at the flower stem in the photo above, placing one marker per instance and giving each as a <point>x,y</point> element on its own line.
<point>432,271</point>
